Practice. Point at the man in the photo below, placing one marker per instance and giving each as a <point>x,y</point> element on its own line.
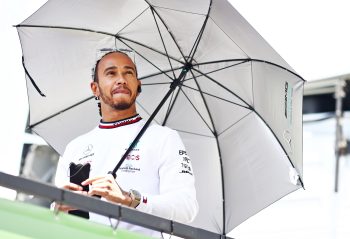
<point>152,179</point>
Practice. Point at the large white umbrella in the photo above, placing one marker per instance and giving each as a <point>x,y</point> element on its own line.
<point>236,103</point>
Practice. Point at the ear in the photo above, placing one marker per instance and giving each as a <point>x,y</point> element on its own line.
<point>94,89</point>
<point>139,89</point>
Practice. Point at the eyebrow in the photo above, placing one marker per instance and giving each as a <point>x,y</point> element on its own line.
<point>114,67</point>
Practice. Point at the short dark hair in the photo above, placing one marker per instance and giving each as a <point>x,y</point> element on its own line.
<point>95,69</point>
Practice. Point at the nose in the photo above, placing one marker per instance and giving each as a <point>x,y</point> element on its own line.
<point>120,80</point>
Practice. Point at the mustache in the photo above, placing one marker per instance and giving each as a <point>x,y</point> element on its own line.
<point>121,88</point>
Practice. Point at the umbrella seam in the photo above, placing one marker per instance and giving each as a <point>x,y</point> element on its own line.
<point>235,123</point>
<point>200,115</point>
<point>176,10</point>
<point>172,36</point>
<point>188,132</point>
<point>132,20</point>
<point>229,37</point>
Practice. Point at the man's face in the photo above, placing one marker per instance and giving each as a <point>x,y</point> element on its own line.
<point>117,81</point>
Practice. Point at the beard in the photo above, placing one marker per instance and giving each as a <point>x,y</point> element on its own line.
<point>120,105</point>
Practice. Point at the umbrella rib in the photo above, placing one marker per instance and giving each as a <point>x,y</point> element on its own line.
<point>61,111</point>
<point>161,37</point>
<point>220,69</point>
<point>219,152</point>
<point>158,83</point>
<point>100,32</point>
<point>273,133</point>
<point>219,98</point>
<point>148,47</point>
<point>205,104</point>
<point>159,73</point>
<point>166,26</point>
<point>252,75</point>
<point>146,59</point>
<point>200,115</point>
<point>31,79</point>
<point>250,59</point>
<point>177,68</point>
<point>132,21</point>
<point>65,28</point>
<point>199,37</point>
<point>224,87</point>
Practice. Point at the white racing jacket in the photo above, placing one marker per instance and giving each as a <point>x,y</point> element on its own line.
<point>158,167</point>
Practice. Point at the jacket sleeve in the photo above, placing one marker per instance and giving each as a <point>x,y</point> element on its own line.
<point>177,193</point>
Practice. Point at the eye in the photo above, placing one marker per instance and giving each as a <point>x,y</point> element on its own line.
<point>110,73</point>
<point>129,72</point>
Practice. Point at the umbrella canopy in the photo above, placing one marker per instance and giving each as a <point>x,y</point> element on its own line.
<point>236,103</point>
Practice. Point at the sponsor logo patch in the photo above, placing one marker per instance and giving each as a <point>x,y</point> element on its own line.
<point>129,168</point>
<point>185,163</point>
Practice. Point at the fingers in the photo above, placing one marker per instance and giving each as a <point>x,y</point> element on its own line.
<point>93,179</point>
<point>66,208</point>
<point>72,187</point>
<point>63,208</point>
<point>111,195</point>
<point>107,187</point>
<point>103,192</point>
<point>102,182</point>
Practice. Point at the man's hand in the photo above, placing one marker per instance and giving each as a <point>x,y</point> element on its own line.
<point>107,187</point>
<point>72,187</point>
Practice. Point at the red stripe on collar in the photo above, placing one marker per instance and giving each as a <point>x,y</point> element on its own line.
<point>119,123</point>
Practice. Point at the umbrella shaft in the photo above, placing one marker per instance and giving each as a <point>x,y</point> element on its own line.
<point>173,86</point>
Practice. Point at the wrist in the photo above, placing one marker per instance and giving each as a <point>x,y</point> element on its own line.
<point>135,197</point>
<point>128,199</point>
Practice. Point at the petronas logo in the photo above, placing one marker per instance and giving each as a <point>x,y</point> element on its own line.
<point>285,98</point>
<point>288,100</point>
